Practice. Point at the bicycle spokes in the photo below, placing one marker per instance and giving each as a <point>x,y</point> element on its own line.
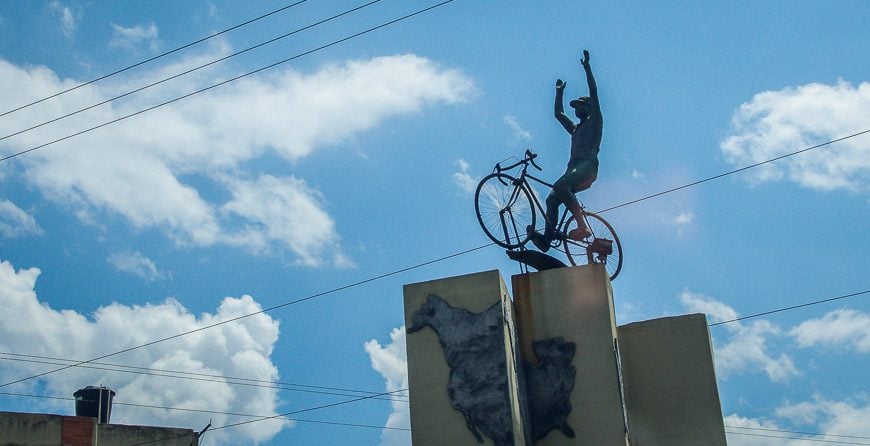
<point>504,210</point>
<point>601,247</point>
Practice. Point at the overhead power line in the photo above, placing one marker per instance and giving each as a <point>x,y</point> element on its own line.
<point>186,72</point>
<point>273,417</point>
<point>211,412</point>
<point>233,79</point>
<point>266,310</point>
<point>817,440</point>
<point>859,437</point>
<point>94,364</point>
<point>845,296</point>
<point>294,412</point>
<point>188,45</point>
<point>375,278</point>
<point>715,177</point>
<point>204,378</point>
<point>170,373</point>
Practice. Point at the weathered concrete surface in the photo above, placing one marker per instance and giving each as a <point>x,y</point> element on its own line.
<point>576,304</point>
<point>434,419</point>
<point>559,336</point>
<point>30,429</point>
<point>669,382</point>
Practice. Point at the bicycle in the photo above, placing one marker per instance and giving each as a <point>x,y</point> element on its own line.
<point>507,204</point>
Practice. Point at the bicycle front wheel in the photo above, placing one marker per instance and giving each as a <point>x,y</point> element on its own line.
<point>601,247</point>
<point>504,210</point>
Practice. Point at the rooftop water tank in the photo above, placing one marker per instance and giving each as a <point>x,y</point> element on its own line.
<point>94,402</point>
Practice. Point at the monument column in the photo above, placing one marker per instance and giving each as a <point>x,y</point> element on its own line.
<point>575,304</point>
<point>462,362</point>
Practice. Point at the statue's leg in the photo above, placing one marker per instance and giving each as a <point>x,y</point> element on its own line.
<point>561,194</point>
<point>579,178</point>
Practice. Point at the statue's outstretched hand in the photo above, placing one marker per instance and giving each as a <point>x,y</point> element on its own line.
<point>585,60</point>
<point>560,85</point>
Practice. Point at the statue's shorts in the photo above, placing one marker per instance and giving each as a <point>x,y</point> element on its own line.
<point>579,176</point>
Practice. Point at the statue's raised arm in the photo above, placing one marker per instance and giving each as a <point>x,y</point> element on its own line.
<point>590,80</point>
<point>559,108</point>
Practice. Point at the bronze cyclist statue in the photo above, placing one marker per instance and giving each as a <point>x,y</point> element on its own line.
<point>582,166</point>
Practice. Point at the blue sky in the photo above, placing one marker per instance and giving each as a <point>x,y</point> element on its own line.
<point>354,161</point>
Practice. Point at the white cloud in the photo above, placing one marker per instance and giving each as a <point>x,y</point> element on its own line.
<point>682,221</point>
<point>241,348</point>
<point>832,417</point>
<point>774,123</point>
<point>308,231</point>
<point>842,327</point>
<point>131,37</point>
<point>138,168</point>
<point>715,310</point>
<point>747,346</point>
<point>15,222</point>
<point>684,218</point>
<point>66,16</point>
<point>392,363</point>
<point>462,179</point>
<point>136,263</point>
<point>519,131</point>
<point>745,431</point>
<point>834,421</point>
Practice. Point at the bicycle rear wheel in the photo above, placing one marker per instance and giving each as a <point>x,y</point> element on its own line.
<point>601,247</point>
<point>504,210</point>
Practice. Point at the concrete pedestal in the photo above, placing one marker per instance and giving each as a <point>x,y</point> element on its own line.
<point>577,305</point>
<point>552,367</point>
<point>670,385</point>
<point>442,310</point>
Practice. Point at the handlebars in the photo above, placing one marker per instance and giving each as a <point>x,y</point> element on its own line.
<point>531,157</point>
<point>528,159</point>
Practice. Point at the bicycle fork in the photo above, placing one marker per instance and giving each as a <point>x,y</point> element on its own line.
<point>505,215</point>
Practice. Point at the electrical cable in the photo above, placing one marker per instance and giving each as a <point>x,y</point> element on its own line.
<point>188,45</point>
<point>175,76</point>
<point>285,304</point>
<point>233,79</point>
<point>272,417</point>
<point>215,379</point>
<point>284,386</point>
<point>323,406</point>
<point>399,271</point>
<point>187,375</point>
<point>377,395</point>
<point>859,437</point>
<point>211,412</point>
<point>733,171</point>
<point>150,406</point>
<point>796,438</point>
<point>845,296</point>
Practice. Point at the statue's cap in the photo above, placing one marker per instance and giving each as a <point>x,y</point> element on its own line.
<point>576,102</point>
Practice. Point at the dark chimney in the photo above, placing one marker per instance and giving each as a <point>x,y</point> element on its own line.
<point>94,402</point>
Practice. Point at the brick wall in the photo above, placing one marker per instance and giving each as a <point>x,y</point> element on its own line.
<point>77,431</point>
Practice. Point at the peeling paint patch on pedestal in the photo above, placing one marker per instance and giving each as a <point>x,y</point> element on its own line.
<point>478,384</point>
